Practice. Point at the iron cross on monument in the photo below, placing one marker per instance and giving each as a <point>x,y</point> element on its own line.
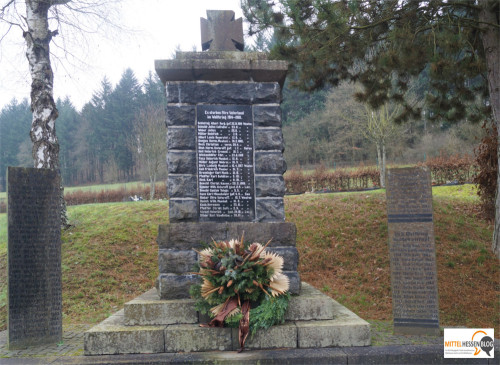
<point>221,32</point>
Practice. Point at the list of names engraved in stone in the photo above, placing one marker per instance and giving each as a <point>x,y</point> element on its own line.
<point>225,162</point>
<point>34,249</point>
<point>414,275</point>
<point>408,192</point>
<point>412,250</point>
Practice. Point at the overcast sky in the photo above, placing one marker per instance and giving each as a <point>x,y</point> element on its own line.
<point>155,28</point>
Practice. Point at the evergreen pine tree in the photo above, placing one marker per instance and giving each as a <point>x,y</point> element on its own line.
<point>385,44</point>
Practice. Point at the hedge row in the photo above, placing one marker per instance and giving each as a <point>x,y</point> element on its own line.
<point>117,195</point>
<point>454,168</point>
<point>78,197</point>
<point>298,182</point>
<point>444,169</point>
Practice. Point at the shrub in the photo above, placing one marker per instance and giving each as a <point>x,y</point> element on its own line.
<point>319,178</point>
<point>295,181</point>
<point>447,168</point>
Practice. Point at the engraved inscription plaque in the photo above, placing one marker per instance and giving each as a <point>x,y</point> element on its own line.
<point>412,251</point>
<point>225,163</point>
<point>34,257</point>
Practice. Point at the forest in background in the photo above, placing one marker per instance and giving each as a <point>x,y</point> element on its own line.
<point>96,143</point>
<point>335,133</point>
<point>327,127</point>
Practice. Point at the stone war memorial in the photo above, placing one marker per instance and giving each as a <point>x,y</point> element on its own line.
<point>34,257</point>
<point>225,181</point>
<point>412,251</point>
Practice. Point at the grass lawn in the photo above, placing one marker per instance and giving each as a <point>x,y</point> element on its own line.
<point>105,187</point>
<point>110,255</point>
<point>101,187</point>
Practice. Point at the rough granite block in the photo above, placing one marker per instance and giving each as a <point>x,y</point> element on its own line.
<point>295,283</point>
<point>269,140</point>
<point>182,186</point>
<point>186,236</point>
<point>193,338</point>
<point>270,210</point>
<point>181,138</point>
<point>180,115</point>
<point>172,286</point>
<point>270,163</point>
<point>183,210</point>
<point>290,256</point>
<point>181,162</point>
<point>282,335</point>
<point>280,233</point>
<point>176,261</point>
<point>269,186</point>
<point>267,93</point>
<point>267,115</point>
<point>189,235</point>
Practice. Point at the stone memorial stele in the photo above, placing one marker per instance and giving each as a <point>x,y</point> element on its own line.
<point>412,251</point>
<point>225,153</point>
<point>225,179</point>
<point>34,257</point>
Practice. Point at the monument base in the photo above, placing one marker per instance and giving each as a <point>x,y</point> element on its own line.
<point>149,324</point>
<point>177,257</point>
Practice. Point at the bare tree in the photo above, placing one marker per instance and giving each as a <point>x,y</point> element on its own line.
<point>379,127</point>
<point>149,143</point>
<point>35,18</point>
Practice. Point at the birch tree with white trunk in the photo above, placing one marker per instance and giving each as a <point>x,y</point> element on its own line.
<point>36,20</point>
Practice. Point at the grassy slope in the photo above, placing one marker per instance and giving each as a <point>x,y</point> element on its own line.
<point>110,255</point>
<point>345,236</point>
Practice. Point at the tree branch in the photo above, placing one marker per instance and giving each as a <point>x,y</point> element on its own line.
<point>6,6</point>
<point>58,2</point>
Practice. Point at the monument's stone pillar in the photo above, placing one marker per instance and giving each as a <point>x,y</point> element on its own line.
<point>225,153</point>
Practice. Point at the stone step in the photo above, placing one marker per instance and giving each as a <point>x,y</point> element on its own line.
<point>148,309</point>
<point>112,337</point>
<point>313,320</point>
